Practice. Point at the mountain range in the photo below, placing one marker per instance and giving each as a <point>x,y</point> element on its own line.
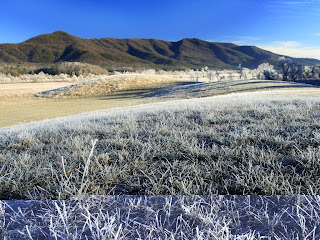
<point>137,53</point>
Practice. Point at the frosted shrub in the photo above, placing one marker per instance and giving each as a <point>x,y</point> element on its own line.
<point>42,77</point>
<point>266,71</point>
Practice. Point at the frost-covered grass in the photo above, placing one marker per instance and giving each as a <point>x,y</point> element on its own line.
<point>42,78</point>
<point>164,217</point>
<point>236,144</point>
<point>199,90</point>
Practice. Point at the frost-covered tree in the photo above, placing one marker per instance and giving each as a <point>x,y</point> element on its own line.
<point>267,71</point>
<point>309,72</point>
<point>316,71</point>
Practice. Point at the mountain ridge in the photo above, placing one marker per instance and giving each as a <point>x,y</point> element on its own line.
<point>60,46</point>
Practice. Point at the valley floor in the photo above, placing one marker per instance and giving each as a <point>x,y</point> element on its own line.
<point>18,103</point>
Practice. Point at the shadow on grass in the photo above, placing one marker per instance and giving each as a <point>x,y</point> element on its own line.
<point>145,92</point>
<point>312,82</point>
<point>223,87</point>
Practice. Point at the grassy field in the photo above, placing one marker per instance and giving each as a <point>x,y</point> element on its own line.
<point>18,103</point>
<point>246,143</point>
<point>110,84</point>
<point>252,137</point>
<point>229,137</point>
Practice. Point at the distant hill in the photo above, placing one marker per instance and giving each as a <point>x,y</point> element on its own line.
<point>137,53</point>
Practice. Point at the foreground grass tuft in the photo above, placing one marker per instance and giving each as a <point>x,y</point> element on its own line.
<point>164,217</point>
<point>226,145</point>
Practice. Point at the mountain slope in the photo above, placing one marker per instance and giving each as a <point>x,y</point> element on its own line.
<point>192,53</point>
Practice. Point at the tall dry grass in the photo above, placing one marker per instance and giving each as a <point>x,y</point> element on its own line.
<point>103,85</point>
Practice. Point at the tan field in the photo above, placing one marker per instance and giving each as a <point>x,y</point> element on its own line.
<point>22,93</point>
<point>19,105</point>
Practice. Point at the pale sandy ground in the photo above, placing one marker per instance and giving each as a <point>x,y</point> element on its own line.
<point>21,93</point>
<point>14,89</point>
<point>18,105</point>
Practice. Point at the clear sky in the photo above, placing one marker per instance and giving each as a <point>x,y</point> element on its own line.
<point>290,27</point>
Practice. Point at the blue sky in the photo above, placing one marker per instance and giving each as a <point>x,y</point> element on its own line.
<point>290,27</point>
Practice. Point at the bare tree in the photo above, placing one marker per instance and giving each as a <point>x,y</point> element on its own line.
<point>283,68</point>
<point>296,71</point>
<point>218,76</point>
<point>210,76</point>
<point>288,69</point>
<point>270,75</point>
<point>240,70</point>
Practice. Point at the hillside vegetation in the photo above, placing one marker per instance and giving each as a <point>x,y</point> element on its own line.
<point>53,69</point>
<point>137,53</point>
